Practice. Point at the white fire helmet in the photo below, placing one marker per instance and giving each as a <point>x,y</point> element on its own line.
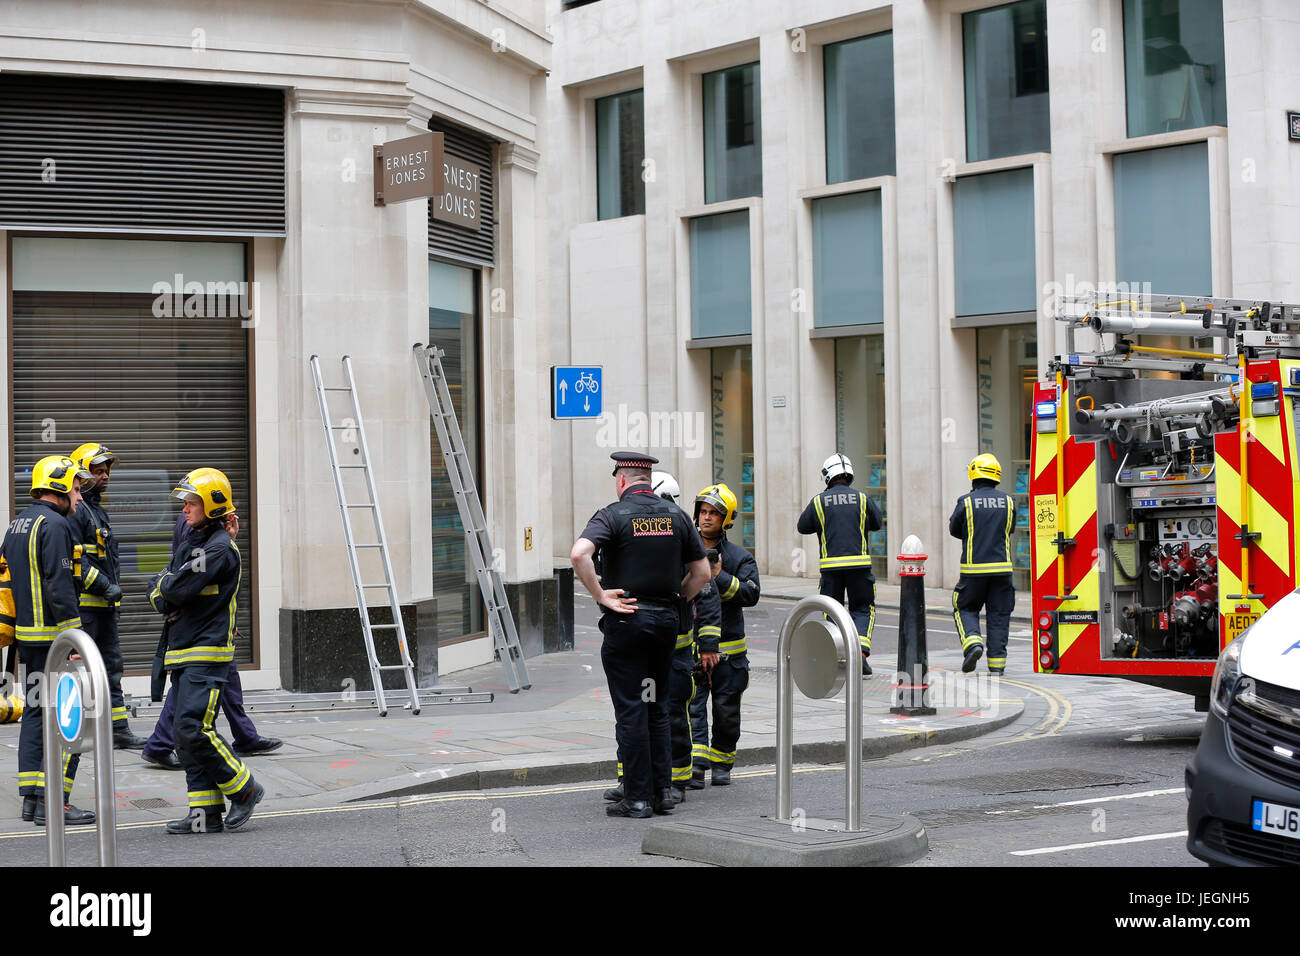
<point>835,466</point>
<point>665,485</point>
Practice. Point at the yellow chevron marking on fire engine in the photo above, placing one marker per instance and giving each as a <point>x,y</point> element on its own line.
<point>1263,518</point>
<point>1045,447</point>
<point>1268,432</point>
<point>1081,501</point>
<point>1088,593</point>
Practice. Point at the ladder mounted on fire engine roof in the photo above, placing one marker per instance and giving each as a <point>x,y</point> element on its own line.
<point>1235,325</point>
<point>353,425</point>
<point>501,623</point>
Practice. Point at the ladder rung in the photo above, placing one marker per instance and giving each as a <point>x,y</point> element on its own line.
<point>383,627</point>
<point>392,667</point>
<point>384,585</point>
<point>367,546</point>
<point>337,388</point>
<point>370,505</point>
<point>352,466</point>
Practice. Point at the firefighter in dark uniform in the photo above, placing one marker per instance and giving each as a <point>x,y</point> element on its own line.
<point>842,517</point>
<point>704,632</point>
<point>645,542</point>
<point>101,595</point>
<point>197,594</point>
<point>982,521</point>
<point>38,550</point>
<point>725,674</point>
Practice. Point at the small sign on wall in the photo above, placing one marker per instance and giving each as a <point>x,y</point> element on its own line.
<point>1293,126</point>
<point>409,168</point>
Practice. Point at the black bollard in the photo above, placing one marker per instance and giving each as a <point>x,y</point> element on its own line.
<point>913,663</point>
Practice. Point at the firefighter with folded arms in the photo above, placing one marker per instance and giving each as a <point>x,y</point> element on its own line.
<point>101,595</point>
<point>39,553</point>
<point>842,517</point>
<point>725,669</point>
<point>197,594</point>
<point>983,521</point>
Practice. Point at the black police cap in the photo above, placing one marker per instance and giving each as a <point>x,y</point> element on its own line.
<point>632,459</point>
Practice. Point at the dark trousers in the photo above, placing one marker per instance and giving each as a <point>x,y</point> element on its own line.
<point>726,684</point>
<point>31,747</point>
<point>637,655</point>
<point>997,597</point>
<point>212,771</point>
<point>860,586</point>
<point>242,732</point>
<point>101,625</point>
<point>681,690</point>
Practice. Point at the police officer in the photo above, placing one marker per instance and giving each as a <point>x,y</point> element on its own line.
<point>645,542</point>
<point>197,594</point>
<point>38,550</point>
<point>982,521</point>
<point>101,595</point>
<point>725,674</point>
<point>842,517</point>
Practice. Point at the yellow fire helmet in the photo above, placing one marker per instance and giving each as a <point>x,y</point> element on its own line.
<point>209,486</point>
<point>93,453</point>
<point>720,497</point>
<point>984,466</point>
<point>56,473</point>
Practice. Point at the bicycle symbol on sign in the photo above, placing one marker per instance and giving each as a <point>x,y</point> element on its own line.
<point>588,381</point>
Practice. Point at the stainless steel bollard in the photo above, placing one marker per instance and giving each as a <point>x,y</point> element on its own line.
<point>848,633</point>
<point>78,717</point>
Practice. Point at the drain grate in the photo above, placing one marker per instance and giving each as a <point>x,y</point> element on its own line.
<point>151,803</point>
<point>1027,781</point>
<point>987,813</point>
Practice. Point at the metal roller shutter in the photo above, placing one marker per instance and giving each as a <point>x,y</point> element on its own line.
<point>133,156</point>
<point>166,394</point>
<point>448,241</point>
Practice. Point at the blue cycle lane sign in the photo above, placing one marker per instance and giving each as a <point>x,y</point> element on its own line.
<point>68,707</point>
<point>575,391</point>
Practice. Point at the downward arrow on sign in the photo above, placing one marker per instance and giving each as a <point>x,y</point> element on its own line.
<point>65,711</point>
<point>586,404</point>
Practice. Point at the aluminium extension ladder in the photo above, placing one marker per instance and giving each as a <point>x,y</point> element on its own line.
<point>501,623</point>
<point>354,425</point>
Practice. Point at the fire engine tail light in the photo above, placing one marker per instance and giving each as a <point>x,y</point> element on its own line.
<point>1046,659</point>
<point>1044,620</point>
<point>1045,640</point>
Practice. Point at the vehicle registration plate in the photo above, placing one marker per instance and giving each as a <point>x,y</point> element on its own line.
<point>1275,818</point>
<point>1238,623</point>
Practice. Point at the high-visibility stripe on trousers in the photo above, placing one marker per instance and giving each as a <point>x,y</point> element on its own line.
<point>209,763</point>
<point>995,595</point>
<point>727,683</point>
<point>31,749</point>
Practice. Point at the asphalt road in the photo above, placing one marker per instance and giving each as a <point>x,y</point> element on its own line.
<point>1090,775</point>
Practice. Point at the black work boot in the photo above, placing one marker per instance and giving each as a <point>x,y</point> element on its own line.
<point>614,793</point>
<point>29,808</point>
<point>679,793</point>
<point>72,817</point>
<point>697,778</point>
<point>242,809</point>
<point>638,809</point>
<point>721,775</point>
<point>663,802</point>
<point>197,821</point>
<point>123,739</point>
<point>866,668</point>
<point>970,657</point>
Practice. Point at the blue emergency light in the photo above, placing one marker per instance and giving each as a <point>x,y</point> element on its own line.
<point>1045,409</point>
<point>1263,390</point>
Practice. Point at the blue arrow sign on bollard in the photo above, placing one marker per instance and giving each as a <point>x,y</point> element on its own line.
<point>575,391</point>
<point>68,704</point>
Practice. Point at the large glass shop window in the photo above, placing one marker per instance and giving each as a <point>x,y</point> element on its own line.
<point>453,327</point>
